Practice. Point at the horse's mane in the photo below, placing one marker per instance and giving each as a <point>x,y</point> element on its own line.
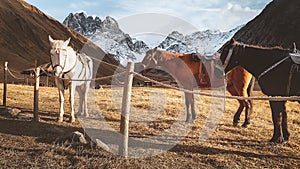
<point>70,48</point>
<point>259,46</point>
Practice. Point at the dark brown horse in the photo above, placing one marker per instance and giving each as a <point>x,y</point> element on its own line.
<point>190,73</point>
<point>277,75</point>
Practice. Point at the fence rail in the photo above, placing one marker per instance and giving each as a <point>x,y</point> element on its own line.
<point>129,74</point>
<point>270,98</point>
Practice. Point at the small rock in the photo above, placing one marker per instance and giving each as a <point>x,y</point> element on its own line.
<point>102,145</point>
<point>14,111</point>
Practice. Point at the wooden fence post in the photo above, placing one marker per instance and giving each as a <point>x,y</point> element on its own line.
<point>36,95</point>
<point>124,125</point>
<point>5,84</point>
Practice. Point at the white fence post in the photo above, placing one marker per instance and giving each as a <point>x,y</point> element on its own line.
<point>124,124</point>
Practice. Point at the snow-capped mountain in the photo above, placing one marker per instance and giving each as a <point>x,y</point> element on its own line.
<point>83,24</point>
<point>204,42</point>
<point>108,36</point>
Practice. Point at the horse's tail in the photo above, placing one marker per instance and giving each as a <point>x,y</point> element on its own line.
<point>249,91</point>
<point>251,86</point>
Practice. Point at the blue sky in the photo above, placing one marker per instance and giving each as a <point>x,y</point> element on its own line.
<point>203,14</point>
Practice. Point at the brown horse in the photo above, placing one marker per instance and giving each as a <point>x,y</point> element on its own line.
<point>190,73</point>
<point>277,74</point>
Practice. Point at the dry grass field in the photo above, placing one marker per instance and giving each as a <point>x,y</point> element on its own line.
<point>154,112</point>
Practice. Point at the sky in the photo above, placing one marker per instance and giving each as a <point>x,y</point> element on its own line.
<point>222,15</point>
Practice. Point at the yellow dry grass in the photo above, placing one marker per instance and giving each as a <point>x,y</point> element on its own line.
<point>153,112</point>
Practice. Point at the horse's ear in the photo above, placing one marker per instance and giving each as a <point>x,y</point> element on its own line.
<point>232,40</point>
<point>66,43</point>
<point>51,40</point>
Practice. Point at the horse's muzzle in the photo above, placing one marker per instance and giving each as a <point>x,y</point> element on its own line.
<point>57,71</point>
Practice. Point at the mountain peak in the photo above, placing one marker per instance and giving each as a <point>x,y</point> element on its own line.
<point>176,35</point>
<point>110,24</point>
<point>83,24</point>
<point>107,35</point>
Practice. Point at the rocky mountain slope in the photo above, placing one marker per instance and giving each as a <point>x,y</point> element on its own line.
<point>107,35</point>
<point>204,42</point>
<point>24,38</point>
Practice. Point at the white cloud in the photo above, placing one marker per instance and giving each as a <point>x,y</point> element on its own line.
<point>215,14</point>
<point>211,14</point>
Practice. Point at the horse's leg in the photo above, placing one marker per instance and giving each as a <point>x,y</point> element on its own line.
<point>193,108</point>
<point>285,131</point>
<point>85,96</point>
<point>61,102</point>
<point>277,111</point>
<point>247,113</point>
<point>187,105</point>
<point>80,93</point>
<point>238,113</point>
<point>248,106</point>
<point>248,103</point>
<point>231,89</point>
<point>72,99</point>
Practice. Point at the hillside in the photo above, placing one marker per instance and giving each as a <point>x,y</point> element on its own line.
<point>24,38</point>
<point>277,25</point>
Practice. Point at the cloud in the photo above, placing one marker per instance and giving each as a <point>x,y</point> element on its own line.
<point>227,17</point>
<point>213,14</point>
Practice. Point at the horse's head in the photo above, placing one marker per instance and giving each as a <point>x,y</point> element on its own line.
<point>227,55</point>
<point>150,60</point>
<point>62,56</point>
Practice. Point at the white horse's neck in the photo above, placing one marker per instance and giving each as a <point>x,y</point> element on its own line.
<point>70,60</point>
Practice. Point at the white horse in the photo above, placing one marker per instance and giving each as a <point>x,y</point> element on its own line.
<point>69,65</point>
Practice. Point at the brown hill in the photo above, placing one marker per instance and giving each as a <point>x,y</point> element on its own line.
<point>277,25</point>
<point>24,38</point>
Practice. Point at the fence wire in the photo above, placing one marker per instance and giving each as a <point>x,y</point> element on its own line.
<point>141,77</point>
<point>14,76</point>
<point>269,98</point>
<point>93,79</point>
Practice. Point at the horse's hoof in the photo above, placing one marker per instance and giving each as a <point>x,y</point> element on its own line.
<point>235,124</point>
<point>72,119</point>
<point>189,121</point>
<point>60,119</point>
<point>277,140</point>
<point>245,125</point>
